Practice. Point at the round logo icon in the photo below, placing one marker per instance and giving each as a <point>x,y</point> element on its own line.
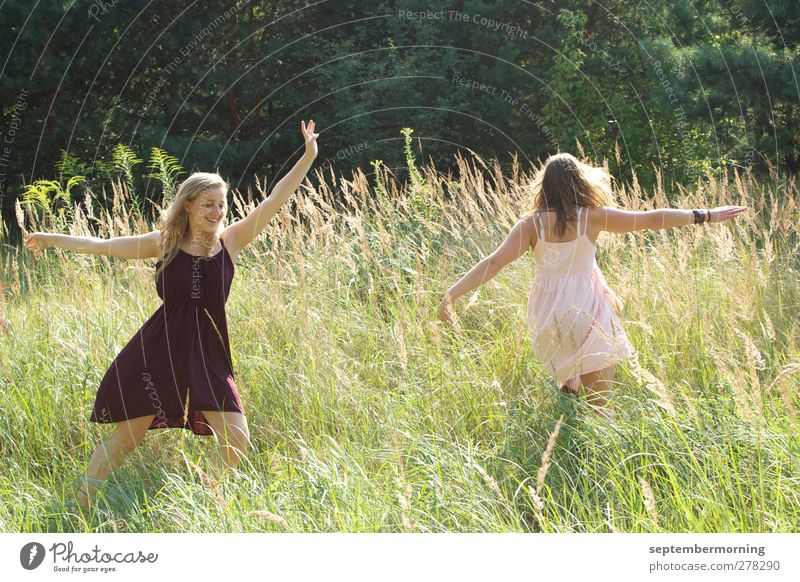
<point>31,555</point>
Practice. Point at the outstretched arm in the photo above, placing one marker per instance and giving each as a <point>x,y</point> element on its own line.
<point>143,246</point>
<point>517,242</point>
<point>616,220</point>
<point>240,234</point>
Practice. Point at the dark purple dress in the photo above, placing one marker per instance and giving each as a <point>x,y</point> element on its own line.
<point>179,362</point>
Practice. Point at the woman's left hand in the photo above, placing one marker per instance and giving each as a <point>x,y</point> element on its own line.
<point>446,313</point>
<point>310,137</point>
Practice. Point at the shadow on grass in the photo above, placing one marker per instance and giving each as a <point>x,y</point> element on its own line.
<point>119,503</point>
<point>531,426</point>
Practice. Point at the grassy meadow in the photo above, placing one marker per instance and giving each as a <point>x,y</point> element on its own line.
<point>366,414</point>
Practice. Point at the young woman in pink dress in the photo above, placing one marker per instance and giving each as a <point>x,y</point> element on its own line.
<point>573,316</point>
<point>176,371</point>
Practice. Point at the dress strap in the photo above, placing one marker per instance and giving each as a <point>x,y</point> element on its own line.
<point>541,227</point>
<point>585,220</point>
<point>578,229</point>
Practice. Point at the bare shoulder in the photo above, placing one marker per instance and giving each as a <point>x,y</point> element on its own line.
<point>527,224</point>
<point>155,237</point>
<point>228,237</point>
<point>155,240</point>
<point>527,221</point>
<point>595,221</point>
<point>596,213</point>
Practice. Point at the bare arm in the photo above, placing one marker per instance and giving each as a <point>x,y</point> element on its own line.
<point>513,247</point>
<point>617,220</point>
<point>144,246</point>
<point>240,234</point>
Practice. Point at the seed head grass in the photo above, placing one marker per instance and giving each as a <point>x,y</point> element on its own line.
<point>367,414</point>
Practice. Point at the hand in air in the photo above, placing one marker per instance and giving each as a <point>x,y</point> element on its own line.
<point>310,137</point>
<point>721,213</point>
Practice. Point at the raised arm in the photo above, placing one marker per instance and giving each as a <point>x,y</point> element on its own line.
<point>617,220</point>
<point>143,246</point>
<point>519,240</point>
<point>240,234</point>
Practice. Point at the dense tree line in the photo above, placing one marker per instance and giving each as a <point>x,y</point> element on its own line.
<point>686,87</point>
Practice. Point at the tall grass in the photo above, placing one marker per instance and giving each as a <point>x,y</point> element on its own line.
<point>367,415</point>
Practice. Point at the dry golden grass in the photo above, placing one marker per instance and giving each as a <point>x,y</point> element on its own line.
<point>367,415</point>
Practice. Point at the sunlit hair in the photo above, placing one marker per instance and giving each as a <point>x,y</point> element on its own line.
<point>174,221</point>
<point>564,183</point>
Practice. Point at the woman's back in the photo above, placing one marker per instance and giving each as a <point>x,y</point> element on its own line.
<point>572,314</point>
<point>565,257</point>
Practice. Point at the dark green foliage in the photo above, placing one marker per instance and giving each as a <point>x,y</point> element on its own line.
<point>685,87</point>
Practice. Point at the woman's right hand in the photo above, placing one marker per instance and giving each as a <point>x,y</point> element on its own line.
<point>721,213</point>
<point>36,242</point>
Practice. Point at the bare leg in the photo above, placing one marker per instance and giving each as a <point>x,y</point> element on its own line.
<point>572,386</point>
<point>110,454</point>
<point>232,434</point>
<point>598,386</point>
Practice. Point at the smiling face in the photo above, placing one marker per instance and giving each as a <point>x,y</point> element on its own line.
<point>206,212</point>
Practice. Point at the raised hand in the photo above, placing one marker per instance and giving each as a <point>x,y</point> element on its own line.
<point>36,242</point>
<point>309,137</point>
<point>721,213</point>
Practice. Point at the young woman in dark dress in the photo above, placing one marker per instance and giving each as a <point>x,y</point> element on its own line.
<point>176,371</point>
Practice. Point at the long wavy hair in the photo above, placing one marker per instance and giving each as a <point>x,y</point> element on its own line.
<point>174,221</point>
<point>564,183</point>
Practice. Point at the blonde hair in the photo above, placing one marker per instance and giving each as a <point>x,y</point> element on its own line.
<point>174,221</point>
<point>565,183</point>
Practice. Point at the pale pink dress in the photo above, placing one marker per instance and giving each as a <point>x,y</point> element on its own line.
<point>573,316</point>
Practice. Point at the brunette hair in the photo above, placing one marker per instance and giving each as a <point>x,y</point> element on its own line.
<point>564,183</point>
